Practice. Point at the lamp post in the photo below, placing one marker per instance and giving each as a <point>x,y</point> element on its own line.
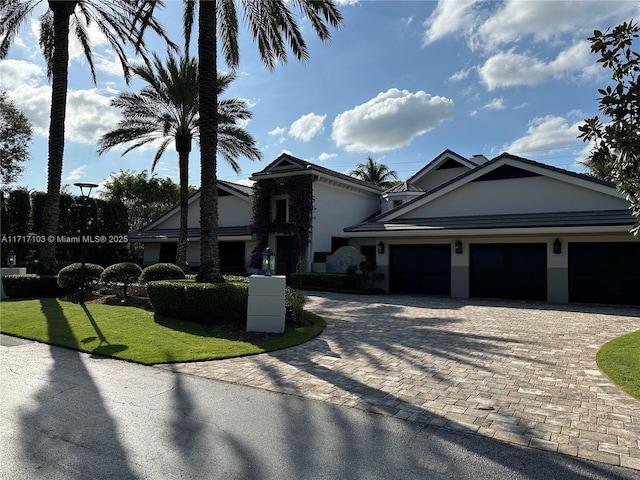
<point>268,262</point>
<point>83,222</point>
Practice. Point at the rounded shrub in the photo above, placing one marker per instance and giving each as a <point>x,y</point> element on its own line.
<point>121,275</point>
<point>31,286</point>
<point>69,277</point>
<point>161,271</point>
<point>294,305</point>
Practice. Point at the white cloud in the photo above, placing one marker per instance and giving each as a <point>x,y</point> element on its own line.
<point>76,174</point>
<point>307,126</point>
<point>245,181</point>
<point>508,69</point>
<point>449,18</point>
<point>550,132</point>
<point>389,121</point>
<point>18,73</point>
<point>323,157</point>
<point>495,104</point>
<point>546,21</point>
<point>461,74</point>
<point>277,131</point>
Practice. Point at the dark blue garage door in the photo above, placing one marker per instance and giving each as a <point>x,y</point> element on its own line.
<point>420,269</point>
<point>604,272</point>
<point>514,270</point>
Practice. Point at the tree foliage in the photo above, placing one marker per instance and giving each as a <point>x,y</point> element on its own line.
<point>616,141</point>
<point>121,22</point>
<point>145,197</point>
<point>273,27</point>
<point>15,135</point>
<point>377,173</point>
<point>167,111</point>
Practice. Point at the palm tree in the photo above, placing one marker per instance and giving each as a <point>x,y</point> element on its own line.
<point>166,110</point>
<point>376,173</point>
<point>122,22</point>
<point>272,25</point>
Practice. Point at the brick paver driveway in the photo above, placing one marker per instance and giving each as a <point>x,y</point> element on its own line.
<point>514,371</point>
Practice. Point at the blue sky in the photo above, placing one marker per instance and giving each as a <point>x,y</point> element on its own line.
<point>400,82</point>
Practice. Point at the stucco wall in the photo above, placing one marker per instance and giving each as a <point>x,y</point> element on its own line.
<point>337,208</point>
<point>519,195</point>
<point>233,211</point>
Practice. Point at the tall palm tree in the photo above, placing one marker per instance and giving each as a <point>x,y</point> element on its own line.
<point>377,173</point>
<point>273,26</point>
<point>166,110</point>
<point>122,22</point>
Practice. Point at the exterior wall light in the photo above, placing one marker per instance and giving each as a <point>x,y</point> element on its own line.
<point>557,246</point>
<point>268,262</point>
<point>458,246</point>
<point>380,247</point>
<point>11,259</point>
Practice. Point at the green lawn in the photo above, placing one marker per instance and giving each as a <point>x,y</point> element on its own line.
<point>620,360</point>
<point>133,334</point>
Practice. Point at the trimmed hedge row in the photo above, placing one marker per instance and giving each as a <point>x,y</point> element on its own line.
<point>206,303</point>
<point>214,303</point>
<point>337,281</point>
<point>31,286</point>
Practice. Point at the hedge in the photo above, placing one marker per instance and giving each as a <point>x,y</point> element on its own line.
<point>121,275</point>
<point>31,286</point>
<point>337,281</point>
<point>206,303</point>
<point>69,277</point>
<point>214,303</point>
<point>161,271</point>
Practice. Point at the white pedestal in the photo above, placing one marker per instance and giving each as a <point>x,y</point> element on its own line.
<point>266,308</point>
<point>9,271</point>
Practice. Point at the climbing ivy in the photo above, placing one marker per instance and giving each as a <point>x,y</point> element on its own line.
<point>299,192</point>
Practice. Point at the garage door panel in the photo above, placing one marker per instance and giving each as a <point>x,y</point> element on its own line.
<point>420,269</point>
<point>604,272</point>
<point>514,271</point>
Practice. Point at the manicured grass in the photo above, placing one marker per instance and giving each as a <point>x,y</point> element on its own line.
<point>620,360</point>
<point>134,334</point>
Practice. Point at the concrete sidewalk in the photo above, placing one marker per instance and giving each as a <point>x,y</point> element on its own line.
<point>518,372</point>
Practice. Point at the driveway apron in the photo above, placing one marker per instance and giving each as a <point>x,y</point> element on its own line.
<point>520,372</point>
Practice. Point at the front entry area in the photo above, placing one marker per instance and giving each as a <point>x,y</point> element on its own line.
<point>508,270</point>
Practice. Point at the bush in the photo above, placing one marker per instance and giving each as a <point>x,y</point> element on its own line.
<point>69,277</point>
<point>206,303</point>
<point>294,305</point>
<point>161,271</point>
<point>31,286</point>
<point>336,281</point>
<point>121,275</point>
<point>214,303</point>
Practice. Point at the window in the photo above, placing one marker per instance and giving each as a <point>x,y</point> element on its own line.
<point>280,212</point>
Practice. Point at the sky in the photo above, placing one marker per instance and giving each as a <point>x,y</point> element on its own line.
<point>400,82</point>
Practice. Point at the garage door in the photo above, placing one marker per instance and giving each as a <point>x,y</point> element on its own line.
<point>604,273</point>
<point>420,269</point>
<point>515,271</point>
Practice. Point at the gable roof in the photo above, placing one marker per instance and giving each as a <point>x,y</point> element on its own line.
<point>447,159</point>
<point>504,166</point>
<point>287,165</point>
<point>224,188</point>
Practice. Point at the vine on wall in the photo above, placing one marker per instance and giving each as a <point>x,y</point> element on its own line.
<point>299,192</point>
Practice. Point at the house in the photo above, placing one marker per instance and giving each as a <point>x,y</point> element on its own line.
<point>506,228</point>
<point>236,241</point>
<point>464,227</point>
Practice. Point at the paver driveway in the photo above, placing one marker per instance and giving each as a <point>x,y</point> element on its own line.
<point>520,372</point>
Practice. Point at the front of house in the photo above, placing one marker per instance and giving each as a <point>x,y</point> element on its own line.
<point>463,227</point>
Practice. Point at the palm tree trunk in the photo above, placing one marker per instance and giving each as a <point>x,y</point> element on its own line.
<point>59,74</point>
<point>207,53</point>
<point>184,147</point>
